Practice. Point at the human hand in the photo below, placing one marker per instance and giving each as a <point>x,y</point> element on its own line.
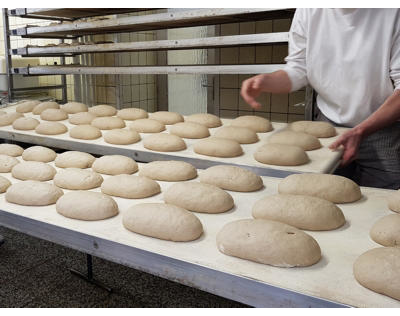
<point>350,141</point>
<point>252,88</point>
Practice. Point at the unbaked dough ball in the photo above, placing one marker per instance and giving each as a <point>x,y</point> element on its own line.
<point>74,107</point>
<point>38,109</point>
<point>77,179</point>
<point>336,189</point>
<point>82,118</point>
<point>281,155</point>
<point>232,178</point>
<point>51,128</point>
<point>378,269</point>
<point>103,110</point>
<point>301,211</point>
<point>74,159</point>
<point>199,197</point>
<point>33,170</point>
<point>53,115</point>
<point>87,206</point>
<point>131,114</point>
<point>253,122</point>
<point>268,242</point>
<point>218,147</point>
<point>164,142</point>
<point>7,163</point>
<point>189,130</point>
<point>85,132</point>
<point>33,193</point>
<point>206,119</point>
<point>114,165</point>
<point>394,201</point>
<point>168,170</point>
<point>386,231</point>
<point>303,140</point>
<point>167,118</point>
<point>4,184</point>
<point>2,112</point>
<point>9,118</point>
<point>162,221</point>
<point>121,136</point>
<point>130,187</point>
<point>27,106</point>
<point>317,129</point>
<point>11,150</point>
<point>108,122</point>
<point>242,135</point>
<point>147,126</point>
<point>25,123</point>
<point>39,153</point>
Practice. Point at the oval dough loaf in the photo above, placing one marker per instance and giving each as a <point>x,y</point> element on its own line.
<point>206,119</point>
<point>77,179</point>
<point>74,159</point>
<point>51,128</point>
<point>39,153</point>
<point>27,106</point>
<point>38,109</point>
<point>85,132</point>
<point>53,115</point>
<point>25,123</point>
<point>82,118</point>
<point>168,170</point>
<point>162,221</point>
<point>394,201</point>
<point>253,122</point>
<point>199,197</point>
<point>268,242</point>
<point>378,269</point>
<point>242,135</point>
<point>131,114</point>
<point>303,140</point>
<point>108,122</point>
<point>301,211</point>
<point>386,231</point>
<point>114,165</point>
<point>33,170</point>
<point>4,184</point>
<point>164,142</point>
<point>130,187</point>
<point>11,150</point>
<point>218,147</point>
<point>121,137</point>
<point>87,206</point>
<point>189,130</point>
<point>147,126</point>
<point>281,155</point>
<point>231,178</point>
<point>74,107</point>
<point>33,193</point>
<point>7,163</point>
<point>317,129</point>
<point>336,189</point>
<point>103,110</point>
<point>9,118</point>
<point>167,118</point>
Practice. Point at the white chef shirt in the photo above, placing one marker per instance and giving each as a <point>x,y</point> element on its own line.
<point>351,57</point>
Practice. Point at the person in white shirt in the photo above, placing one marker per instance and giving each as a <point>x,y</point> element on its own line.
<point>351,57</point>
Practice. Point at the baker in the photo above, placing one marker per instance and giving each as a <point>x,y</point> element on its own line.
<point>351,57</point>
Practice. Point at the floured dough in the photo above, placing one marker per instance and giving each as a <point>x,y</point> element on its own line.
<point>33,170</point>
<point>85,132</point>
<point>168,170</point>
<point>11,150</point>
<point>206,119</point>
<point>51,128</point>
<point>131,114</point>
<point>218,147</point>
<point>242,135</point>
<point>189,130</point>
<point>82,118</point>
<point>9,118</point>
<point>394,201</point>
<point>268,242</point>
<point>317,129</point>
<point>115,164</point>
<point>39,153</point>
<point>38,109</point>
<point>4,184</point>
<point>27,106</point>
<point>167,118</point>
<point>162,221</point>
<point>147,126</point>
<point>77,179</point>
<point>74,159</point>
<point>253,122</point>
<point>108,122</point>
<point>303,140</point>
<point>121,136</point>
<point>164,142</point>
<point>281,155</point>
<point>53,115</point>
<point>25,123</point>
<point>386,231</point>
<point>103,110</point>
<point>74,107</point>
<point>7,163</point>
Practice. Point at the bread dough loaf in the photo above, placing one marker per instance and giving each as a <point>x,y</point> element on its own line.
<point>4,184</point>
<point>87,206</point>
<point>27,106</point>
<point>301,211</point>
<point>206,119</point>
<point>162,221</point>
<point>38,109</point>
<point>336,189</point>
<point>74,107</point>
<point>218,147</point>
<point>131,114</point>
<point>242,135</point>
<point>107,122</point>
<point>11,150</point>
<point>7,163</point>
<point>103,110</point>
<point>378,269</point>
<point>2,112</point>
<point>167,118</point>
<point>25,123</point>
<point>39,153</point>
<point>115,164</point>
<point>268,242</point>
<point>168,170</point>
<point>281,155</point>
<point>33,193</point>
<point>51,128</point>
<point>164,142</point>
<point>199,197</point>
<point>53,115</point>
<point>386,231</point>
<point>33,170</point>
<point>130,187</point>
<point>231,178</point>
<point>77,179</point>
<point>253,122</point>
<point>147,126</point>
<point>303,140</point>
<point>82,118</point>
<point>121,137</point>
<point>394,201</point>
<point>85,132</point>
<point>189,130</point>
<point>9,118</point>
<point>317,129</point>
<point>74,159</point>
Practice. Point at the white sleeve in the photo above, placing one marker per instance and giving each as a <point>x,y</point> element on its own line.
<point>296,60</point>
<point>395,56</point>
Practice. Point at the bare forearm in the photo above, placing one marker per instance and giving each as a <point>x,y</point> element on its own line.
<point>277,82</point>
